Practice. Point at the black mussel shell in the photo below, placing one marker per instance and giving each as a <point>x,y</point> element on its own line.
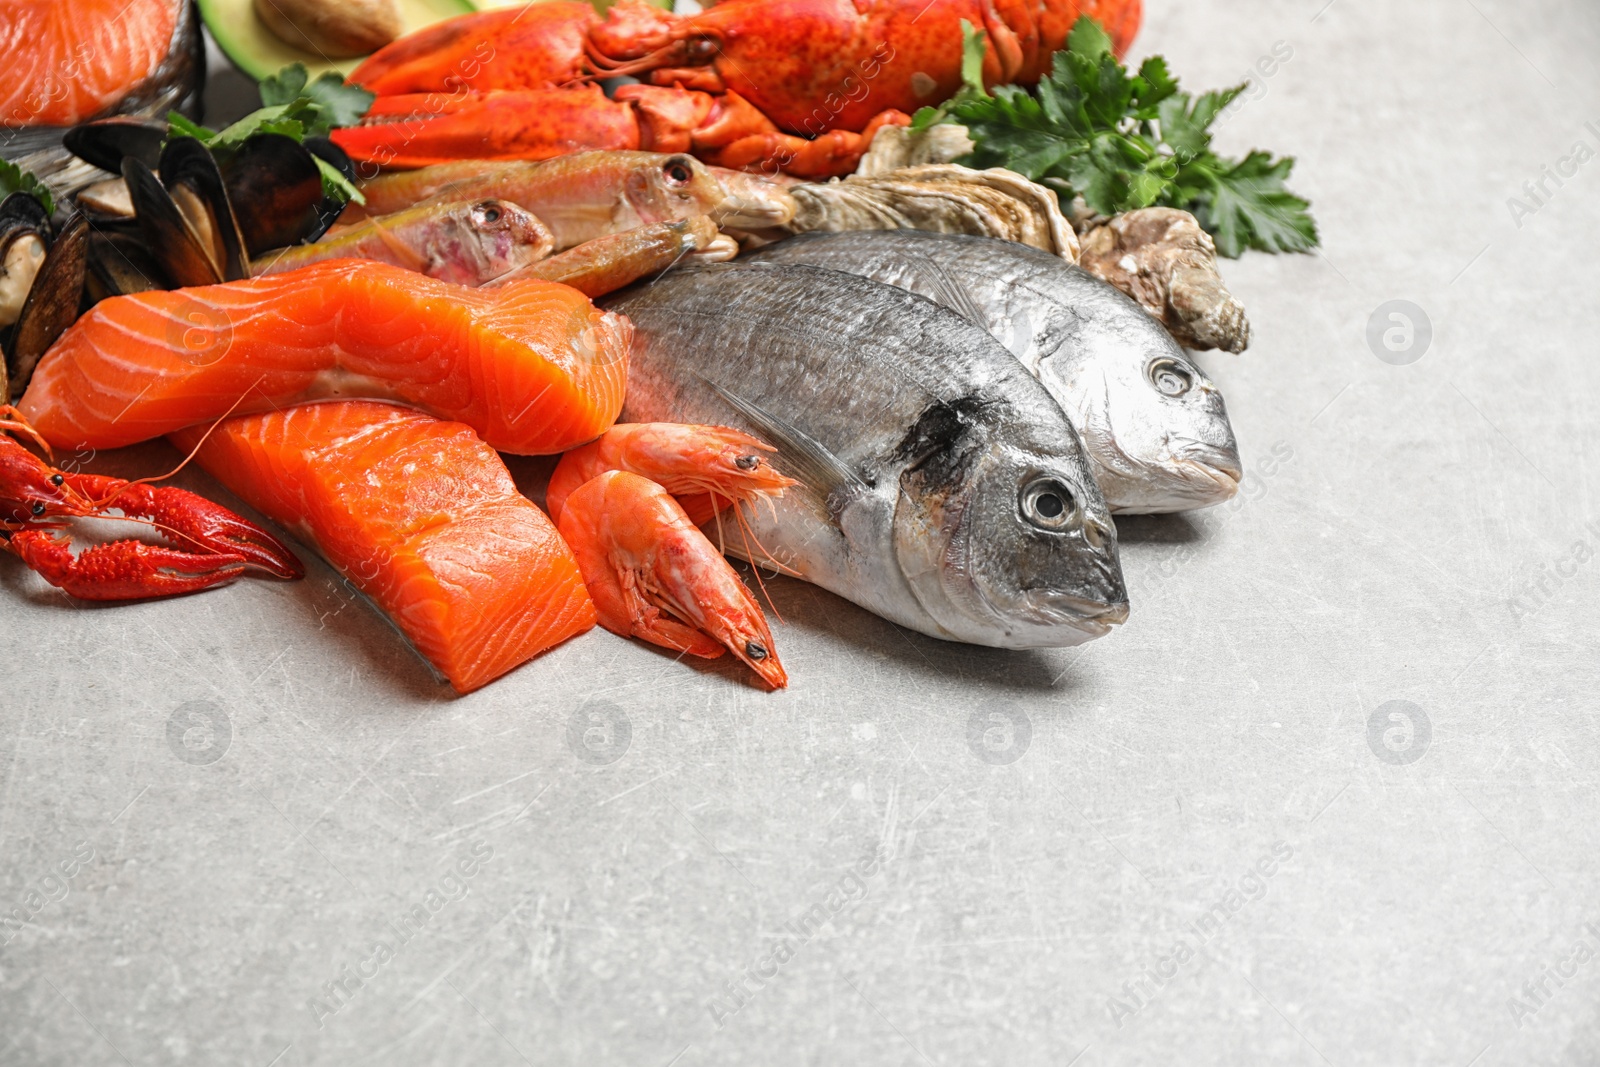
<point>119,264</point>
<point>105,142</point>
<point>166,233</point>
<point>276,190</point>
<point>22,213</point>
<point>21,216</point>
<point>53,303</point>
<point>188,164</point>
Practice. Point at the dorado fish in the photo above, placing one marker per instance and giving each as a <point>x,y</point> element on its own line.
<point>1154,425</point>
<point>942,487</point>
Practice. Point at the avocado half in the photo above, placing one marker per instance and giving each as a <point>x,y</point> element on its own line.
<point>258,52</point>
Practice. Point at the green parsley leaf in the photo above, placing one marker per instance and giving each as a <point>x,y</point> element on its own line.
<point>1088,40</point>
<point>336,185</point>
<point>284,87</point>
<point>179,125</point>
<point>338,103</point>
<point>973,42</point>
<point>1124,141</point>
<point>297,108</point>
<point>13,179</point>
<point>1247,206</point>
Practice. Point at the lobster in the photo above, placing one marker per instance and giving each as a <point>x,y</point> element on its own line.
<point>799,86</point>
<point>207,543</point>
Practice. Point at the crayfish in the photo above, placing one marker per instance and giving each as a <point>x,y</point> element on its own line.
<point>206,543</point>
<point>798,86</point>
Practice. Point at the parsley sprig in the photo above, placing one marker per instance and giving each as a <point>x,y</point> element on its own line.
<point>298,108</point>
<point>13,179</point>
<point>1125,141</point>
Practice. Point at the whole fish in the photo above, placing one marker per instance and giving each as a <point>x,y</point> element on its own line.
<point>941,486</point>
<point>467,242</point>
<point>1155,427</point>
<point>584,195</point>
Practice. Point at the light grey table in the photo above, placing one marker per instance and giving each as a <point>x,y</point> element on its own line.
<point>255,787</point>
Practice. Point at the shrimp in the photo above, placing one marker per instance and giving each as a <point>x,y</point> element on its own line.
<point>706,467</point>
<point>653,575</point>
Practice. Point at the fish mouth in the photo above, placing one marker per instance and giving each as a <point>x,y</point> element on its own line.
<point>1094,612</point>
<point>1089,618</point>
<point>1194,476</point>
<point>1215,468</point>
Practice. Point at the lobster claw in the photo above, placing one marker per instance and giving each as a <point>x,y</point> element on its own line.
<point>122,570</point>
<point>198,528</point>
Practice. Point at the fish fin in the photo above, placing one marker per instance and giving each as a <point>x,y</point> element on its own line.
<point>819,470</point>
<point>947,293</point>
<point>408,257</point>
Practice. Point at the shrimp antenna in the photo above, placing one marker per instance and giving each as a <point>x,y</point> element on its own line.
<point>747,535</point>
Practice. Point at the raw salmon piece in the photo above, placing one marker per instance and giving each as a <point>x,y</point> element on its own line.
<point>532,366</point>
<point>69,60</point>
<point>421,516</point>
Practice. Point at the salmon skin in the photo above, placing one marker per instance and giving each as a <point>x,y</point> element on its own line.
<point>532,366</point>
<point>421,516</point>
<point>71,60</point>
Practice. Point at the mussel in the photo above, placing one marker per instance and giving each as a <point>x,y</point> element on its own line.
<point>120,264</point>
<point>186,215</point>
<point>200,219</point>
<point>41,285</point>
<point>276,182</point>
<point>24,240</point>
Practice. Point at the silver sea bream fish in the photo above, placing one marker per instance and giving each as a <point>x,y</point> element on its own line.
<point>942,487</point>
<point>1155,426</point>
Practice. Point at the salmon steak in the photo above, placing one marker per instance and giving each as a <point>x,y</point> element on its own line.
<point>421,516</point>
<point>71,61</point>
<point>534,367</point>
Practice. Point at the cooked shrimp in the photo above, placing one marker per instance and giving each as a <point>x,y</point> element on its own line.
<point>653,575</point>
<point>706,467</point>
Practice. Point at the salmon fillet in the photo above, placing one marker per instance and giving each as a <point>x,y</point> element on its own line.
<point>69,60</point>
<point>533,366</point>
<point>421,516</point>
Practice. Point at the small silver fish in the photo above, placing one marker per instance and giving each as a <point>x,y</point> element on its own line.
<point>942,487</point>
<point>1155,426</point>
<point>468,242</point>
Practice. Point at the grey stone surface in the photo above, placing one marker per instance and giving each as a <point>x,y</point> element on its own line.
<point>268,780</point>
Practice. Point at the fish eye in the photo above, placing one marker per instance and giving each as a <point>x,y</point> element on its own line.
<point>1047,504</point>
<point>700,49</point>
<point>489,212</point>
<point>678,171</point>
<point>1170,378</point>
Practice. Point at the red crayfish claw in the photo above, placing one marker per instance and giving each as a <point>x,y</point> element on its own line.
<point>206,543</point>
